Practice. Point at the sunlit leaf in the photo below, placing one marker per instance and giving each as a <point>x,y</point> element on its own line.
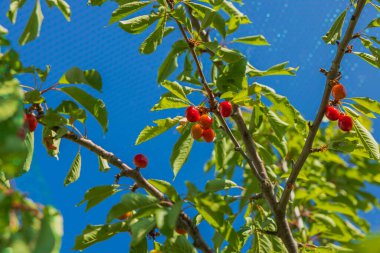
<point>162,125</point>
<point>181,151</point>
<point>33,27</point>
<point>74,171</point>
<point>367,140</point>
<point>257,40</point>
<point>97,194</point>
<point>127,9</point>
<point>97,233</point>
<point>335,31</point>
<point>95,106</point>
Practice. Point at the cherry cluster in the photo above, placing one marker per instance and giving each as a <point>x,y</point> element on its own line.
<point>333,113</point>
<point>203,121</point>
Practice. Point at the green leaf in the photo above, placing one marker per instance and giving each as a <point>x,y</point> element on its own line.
<point>232,11</point>
<point>51,232</point>
<point>335,31</point>
<point>29,143</point>
<point>279,69</point>
<point>116,211</point>
<point>232,77</point>
<point>162,125</point>
<point>137,200</point>
<point>169,101</point>
<point>62,6</point>
<point>229,56</point>
<point>369,104</point>
<point>53,119</point>
<point>74,171</point>
<point>204,12</point>
<point>75,75</point>
<point>282,105</point>
<point>261,243</point>
<point>366,42</point>
<point>139,248</point>
<point>220,184</point>
<point>127,9</point>
<point>95,106</point>
<point>14,6</point>
<point>141,228</point>
<point>168,66</point>
<point>374,23</point>
<point>187,74</point>
<point>207,20</point>
<point>181,151</point>
<point>97,194</point>
<point>138,24</point>
<point>150,44</point>
<point>97,233</point>
<point>3,30</point>
<point>170,63</point>
<point>256,40</point>
<point>33,97</point>
<point>179,13</point>
<point>33,27</point>
<point>96,2</point>
<point>335,208</point>
<point>374,61</point>
<point>212,207</point>
<point>176,89</point>
<point>103,164</point>
<point>367,140</point>
<point>279,127</point>
<point>178,244</point>
<point>166,188</point>
<point>130,202</point>
<point>229,234</point>
<point>68,107</point>
<point>166,219</point>
<point>51,141</point>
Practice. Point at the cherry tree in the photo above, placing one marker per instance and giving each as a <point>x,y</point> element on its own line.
<point>302,184</point>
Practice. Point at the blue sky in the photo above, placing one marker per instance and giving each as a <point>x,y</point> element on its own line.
<point>294,29</point>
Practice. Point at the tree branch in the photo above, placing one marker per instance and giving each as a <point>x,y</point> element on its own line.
<point>253,159</point>
<point>141,182</point>
<point>331,75</point>
<point>266,185</point>
<point>283,229</point>
<point>213,102</point>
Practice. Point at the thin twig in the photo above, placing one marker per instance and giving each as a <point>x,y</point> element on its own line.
<point>332,74</point>
<point>140,180</point>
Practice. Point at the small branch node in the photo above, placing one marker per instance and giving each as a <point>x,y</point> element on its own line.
<point>134,187</point>
<point>322,148</point>
<point>349,49</point>
<point>290,186</point>
<point>323,71</point>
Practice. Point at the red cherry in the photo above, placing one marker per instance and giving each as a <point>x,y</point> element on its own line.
<point>140,161</point>
<point>192,114</point>
<point>181,231</point>
<point>31,121</point>
<point>332,113</point>
<point>125,216</point>
<point>225,109</point>
<point>338,91</point>
<point>196,131</point>
<point>208,135</point>
<point>345,123</point>
<point>205,121</point>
